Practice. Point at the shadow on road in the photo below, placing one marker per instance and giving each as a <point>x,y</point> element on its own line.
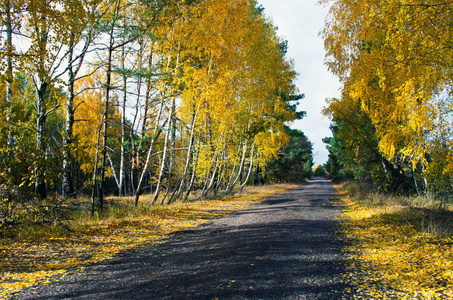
<point>285,248</point>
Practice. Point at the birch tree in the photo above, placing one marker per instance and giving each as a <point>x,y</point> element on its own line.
<point>394,59</point>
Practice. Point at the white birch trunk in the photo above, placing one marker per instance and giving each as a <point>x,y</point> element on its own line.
<point>164,158</point>
<point>241,167</point>
<point>9,71</point>
<point>194,171</point>
<point>250,167</point>
<point>182,183</point>
<point>157,132</point>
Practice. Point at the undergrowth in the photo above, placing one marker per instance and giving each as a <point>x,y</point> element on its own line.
<point>33,252</point>
<point>398,247</point>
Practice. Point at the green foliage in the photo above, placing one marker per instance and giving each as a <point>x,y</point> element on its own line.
<point>335,166</point>
<point>294,161</point>
<point>207,89</point>
<point>18,160</point>
<point>21,159</point>
<point>393,60</point>
<point>354,154</point>
<point>319,171</point>
<point>17,208</point>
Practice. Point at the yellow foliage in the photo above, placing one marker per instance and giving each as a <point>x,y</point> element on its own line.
<point>395,60</point>
<point>232,69</point>
<point>390,255</point>
<point>88,115</point>
<point>26,263</point>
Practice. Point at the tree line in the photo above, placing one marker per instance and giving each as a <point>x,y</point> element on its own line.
<point>127,97</point>
<point>392,126</point>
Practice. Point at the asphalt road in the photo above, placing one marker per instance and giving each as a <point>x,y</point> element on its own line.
<point>284,248</point>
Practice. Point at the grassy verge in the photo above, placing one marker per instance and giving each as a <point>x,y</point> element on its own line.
<point>398,248</point>
<point>32,254</point>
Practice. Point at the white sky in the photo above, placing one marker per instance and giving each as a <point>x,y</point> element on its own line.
<point>299,22</point>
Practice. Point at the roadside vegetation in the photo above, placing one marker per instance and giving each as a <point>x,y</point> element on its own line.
<point>398,247</point>
<point>32,253</point>
<point>133,97</point>
<point>392,125</point>
<point>166,104</point>
<point>392,136</point>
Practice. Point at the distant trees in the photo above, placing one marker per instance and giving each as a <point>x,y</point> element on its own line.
<point>295,160</point>
<point>126,97</point>
<point>393,121</point>
<point>319,171</point>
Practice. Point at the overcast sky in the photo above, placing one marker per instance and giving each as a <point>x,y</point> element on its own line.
<point>299,22</point>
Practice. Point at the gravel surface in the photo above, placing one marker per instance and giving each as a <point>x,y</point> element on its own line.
<point>284,248</point>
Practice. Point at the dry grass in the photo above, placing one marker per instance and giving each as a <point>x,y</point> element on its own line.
<point>399,247</point>
<point>32,253</point>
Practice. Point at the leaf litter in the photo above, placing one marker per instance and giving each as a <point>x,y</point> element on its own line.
<point>390,255</point>
<point>29,262</point>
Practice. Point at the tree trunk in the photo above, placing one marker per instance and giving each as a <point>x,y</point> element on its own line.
<point>40,185</point>
<point>136,150</point>
<point>250,168</point>
<point>157,131</point>
<point>134,154</point>
<point>67,186</point>
<point>173,126</point>
<point>113,171</point>
<point>182,183</point>
<point>9,71</point>
<point>172,129</point>
<point>41,90</point>
<point>95,172</point>
<point>74,66</point>
<point>194,171</point>
<point>233,170</point>
<point>241,167</point>
<point>123,130</point>
<point>222,169</point>
<point>105,117</point>
<point>214,166</point>
<point>164,158</point>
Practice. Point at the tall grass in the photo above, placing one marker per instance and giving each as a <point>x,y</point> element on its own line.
<point>427,213</point>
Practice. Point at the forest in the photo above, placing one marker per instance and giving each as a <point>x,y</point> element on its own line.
<point>392,126</point>
<point>125,124</point>
<point>163,97</point>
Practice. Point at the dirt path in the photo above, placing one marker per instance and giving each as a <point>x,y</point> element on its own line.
<point>284,248</point>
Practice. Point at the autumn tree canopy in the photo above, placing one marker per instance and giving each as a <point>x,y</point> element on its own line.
<point>394,59</point>
<point>128,97</point>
